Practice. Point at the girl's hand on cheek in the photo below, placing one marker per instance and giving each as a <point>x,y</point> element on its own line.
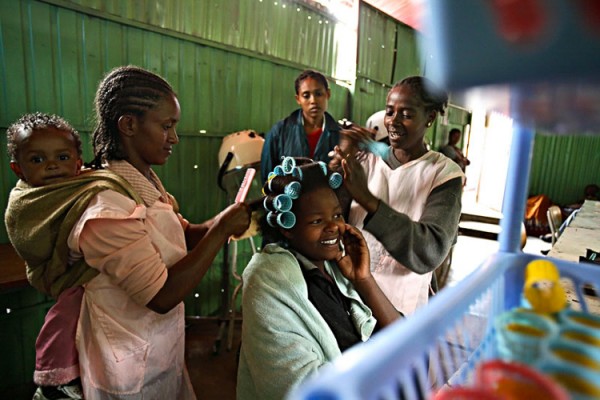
<point>355,264</point>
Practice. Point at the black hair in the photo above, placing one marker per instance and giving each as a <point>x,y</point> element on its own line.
<point>33,121</point>
<point>309,73</point>
<point>124,90</point>
<point>434,98</point>
<point>313,177</point>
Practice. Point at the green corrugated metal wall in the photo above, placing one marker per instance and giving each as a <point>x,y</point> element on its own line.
<point>563,165</point>
<point>53,58</point>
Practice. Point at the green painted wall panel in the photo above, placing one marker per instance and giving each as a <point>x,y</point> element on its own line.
<point>563,165</point>
<point>285,30</point>
<point>369,97</point>
<point>408,59</point>
<point>21,316</point>
<point>376,44</point>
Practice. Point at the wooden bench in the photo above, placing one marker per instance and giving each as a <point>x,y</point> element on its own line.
<point>12,271</point>
<point>479,226</point>
<point>484,227</point>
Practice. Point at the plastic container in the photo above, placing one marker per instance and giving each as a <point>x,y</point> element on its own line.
<point>573,352</point>
<point>517,381</point>
<point>466,393</point>
<point>523,335</point>
<point>581,383</point>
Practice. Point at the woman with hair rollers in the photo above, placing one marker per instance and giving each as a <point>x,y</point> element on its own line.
<point>309,296</point>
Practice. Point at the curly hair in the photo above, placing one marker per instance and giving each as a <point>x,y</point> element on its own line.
<point>434,98</point>
<point>124,90</point>
<point>37,120</point>
<point>309,73</point>
<point>312,178</point>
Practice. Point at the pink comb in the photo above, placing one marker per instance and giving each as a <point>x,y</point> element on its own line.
<point>245,186</point>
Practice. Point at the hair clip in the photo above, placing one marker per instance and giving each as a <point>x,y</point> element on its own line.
<point>285,220</point>
<point>323,167</point>
<point>335,180</point>
<point>288,164</point>
<point>292,189</point>
<point>297,172</point>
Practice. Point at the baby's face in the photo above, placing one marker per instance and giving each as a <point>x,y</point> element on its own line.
<point>46,156</point>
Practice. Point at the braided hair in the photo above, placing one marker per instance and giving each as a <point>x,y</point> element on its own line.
<point>33,121</point>
<point>292,183</point>
<point>124,90</point>
<point>433,98</point>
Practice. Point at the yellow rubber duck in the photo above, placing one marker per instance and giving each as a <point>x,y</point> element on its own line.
<point>542,287</point>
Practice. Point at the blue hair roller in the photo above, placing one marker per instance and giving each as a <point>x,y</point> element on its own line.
<point>323,167</point>
<point>335,180</point>
<point>297,172</point>
<point>278,171</point>
<point>267,204</point>
<point>288,164</point>
<point>269,184</point>
<point>272,218</point>
<point>292,189</point>
<point>282,203</point>
<point>286,220</point>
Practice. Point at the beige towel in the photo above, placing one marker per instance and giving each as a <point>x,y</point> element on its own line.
<point>39,221</point>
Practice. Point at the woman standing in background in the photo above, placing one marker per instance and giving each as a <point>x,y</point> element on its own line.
<point>307,132</point>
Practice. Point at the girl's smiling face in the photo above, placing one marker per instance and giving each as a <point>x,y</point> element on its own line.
<point>406,119</point>
<point>319,226</point>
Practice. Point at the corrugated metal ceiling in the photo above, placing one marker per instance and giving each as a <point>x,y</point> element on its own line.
<point>406,11</point>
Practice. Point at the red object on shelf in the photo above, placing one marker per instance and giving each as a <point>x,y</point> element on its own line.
<point>517,381</point>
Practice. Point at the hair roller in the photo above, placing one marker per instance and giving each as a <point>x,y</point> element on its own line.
<point>269,182</point>
<point>323,167</point>
<point>278,170</point>
<point>268,203</point>
<point>335,180</point>
<point>272,219</point>
<point>288,164</point>
<point>285,220</point>
<point>293,189</point>
<point>297,172</point>
<point>282,203</point>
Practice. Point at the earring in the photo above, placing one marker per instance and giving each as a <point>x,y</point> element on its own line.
<point>429,124</point>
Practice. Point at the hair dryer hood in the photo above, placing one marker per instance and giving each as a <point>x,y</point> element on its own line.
<point>246,147</point>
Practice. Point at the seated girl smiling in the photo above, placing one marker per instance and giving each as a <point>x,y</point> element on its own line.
<point>310,295</point>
